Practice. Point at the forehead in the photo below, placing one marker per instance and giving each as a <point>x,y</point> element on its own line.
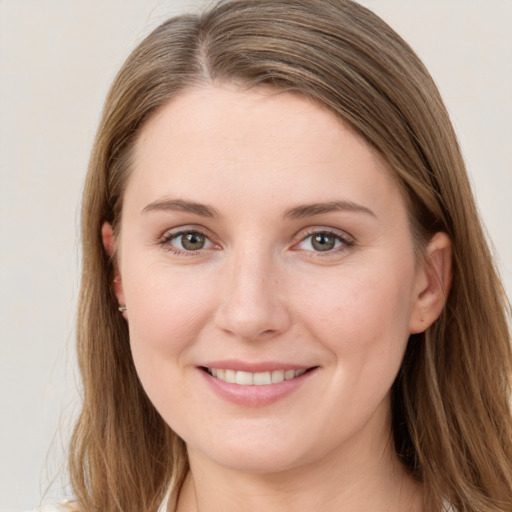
<point>261,117</point>
<point>253,144</point>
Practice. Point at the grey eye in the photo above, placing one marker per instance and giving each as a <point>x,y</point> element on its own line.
<point>192,241</point>
<point>323,241</point>
<point>186,241</point>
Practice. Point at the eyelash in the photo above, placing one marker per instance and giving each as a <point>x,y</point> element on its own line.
<point>166,241</point>
<point>345,240</point>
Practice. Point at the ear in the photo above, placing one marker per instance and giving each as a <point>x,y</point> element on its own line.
<point>433,283</point>
<point>109,242</point>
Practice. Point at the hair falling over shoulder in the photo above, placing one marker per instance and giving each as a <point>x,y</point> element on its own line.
<point>452,423</point>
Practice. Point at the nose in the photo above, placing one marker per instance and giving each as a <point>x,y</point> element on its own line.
<point>253,305</point>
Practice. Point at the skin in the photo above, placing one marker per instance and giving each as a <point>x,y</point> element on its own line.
<point>259,290</point>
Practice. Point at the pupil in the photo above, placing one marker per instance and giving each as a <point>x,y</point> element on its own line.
<point>323,242</point>
<point>193,241</point>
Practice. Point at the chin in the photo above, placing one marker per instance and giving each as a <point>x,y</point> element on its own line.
<point>258,461</point>
<point>259,455</point>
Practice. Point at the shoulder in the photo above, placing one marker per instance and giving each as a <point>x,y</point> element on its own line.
<point>71,506</point>
<point>57,507</point>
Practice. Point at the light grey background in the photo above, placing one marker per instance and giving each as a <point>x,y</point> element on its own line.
<point>57,59</point>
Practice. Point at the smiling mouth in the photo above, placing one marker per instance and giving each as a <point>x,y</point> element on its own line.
<point>255,379</point>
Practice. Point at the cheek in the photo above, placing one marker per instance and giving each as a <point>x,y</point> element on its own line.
<point>167,311</point>
<point>165,317</point>
<point>362,317</point>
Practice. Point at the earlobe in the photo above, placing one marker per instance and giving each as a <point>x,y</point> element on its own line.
<point>109,243</point>
<point>433,283</point>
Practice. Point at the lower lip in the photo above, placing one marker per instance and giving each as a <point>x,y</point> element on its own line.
<point>252,395</point>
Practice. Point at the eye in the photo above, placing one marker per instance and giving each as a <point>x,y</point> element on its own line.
<point>186,241</point>
<point>324,241</point>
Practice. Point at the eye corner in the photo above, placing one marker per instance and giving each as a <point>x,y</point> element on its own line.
<point>323,241</point>
<point>187,241</point>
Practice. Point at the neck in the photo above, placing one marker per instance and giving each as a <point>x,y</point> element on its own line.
<point>364,474</point>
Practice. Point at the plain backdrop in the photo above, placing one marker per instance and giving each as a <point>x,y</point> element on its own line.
<point>57,59</point>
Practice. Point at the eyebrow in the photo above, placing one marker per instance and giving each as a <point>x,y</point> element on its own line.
<point>298,212</point>
<point>309,210</point>
<point>181,205</point>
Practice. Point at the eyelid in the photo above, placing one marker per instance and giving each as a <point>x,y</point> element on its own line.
<point>168,235</point>
<point>173,231</point>
<point>346,239</point>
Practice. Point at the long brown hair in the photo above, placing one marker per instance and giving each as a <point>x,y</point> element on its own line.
<point>452,423</point>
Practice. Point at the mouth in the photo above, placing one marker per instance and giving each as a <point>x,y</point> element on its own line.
<point>244,378</point>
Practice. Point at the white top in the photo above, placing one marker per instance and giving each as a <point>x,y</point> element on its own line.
<point>163,507</point>
<point>48,508</point>
<point>61,507</point>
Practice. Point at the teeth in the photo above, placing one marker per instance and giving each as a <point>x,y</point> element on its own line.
<point>288,374</point>
<point>277,376</point>
<point>256,379</point>
<point>244,378</point>
<point>262,378</point>
<point>230,376</point>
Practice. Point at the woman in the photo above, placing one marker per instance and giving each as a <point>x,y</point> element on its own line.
<point>287,298</point>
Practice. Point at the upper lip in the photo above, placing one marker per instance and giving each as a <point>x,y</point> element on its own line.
<point>254,367</point>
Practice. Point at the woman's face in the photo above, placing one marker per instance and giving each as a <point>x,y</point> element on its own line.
<point>264,242</point>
